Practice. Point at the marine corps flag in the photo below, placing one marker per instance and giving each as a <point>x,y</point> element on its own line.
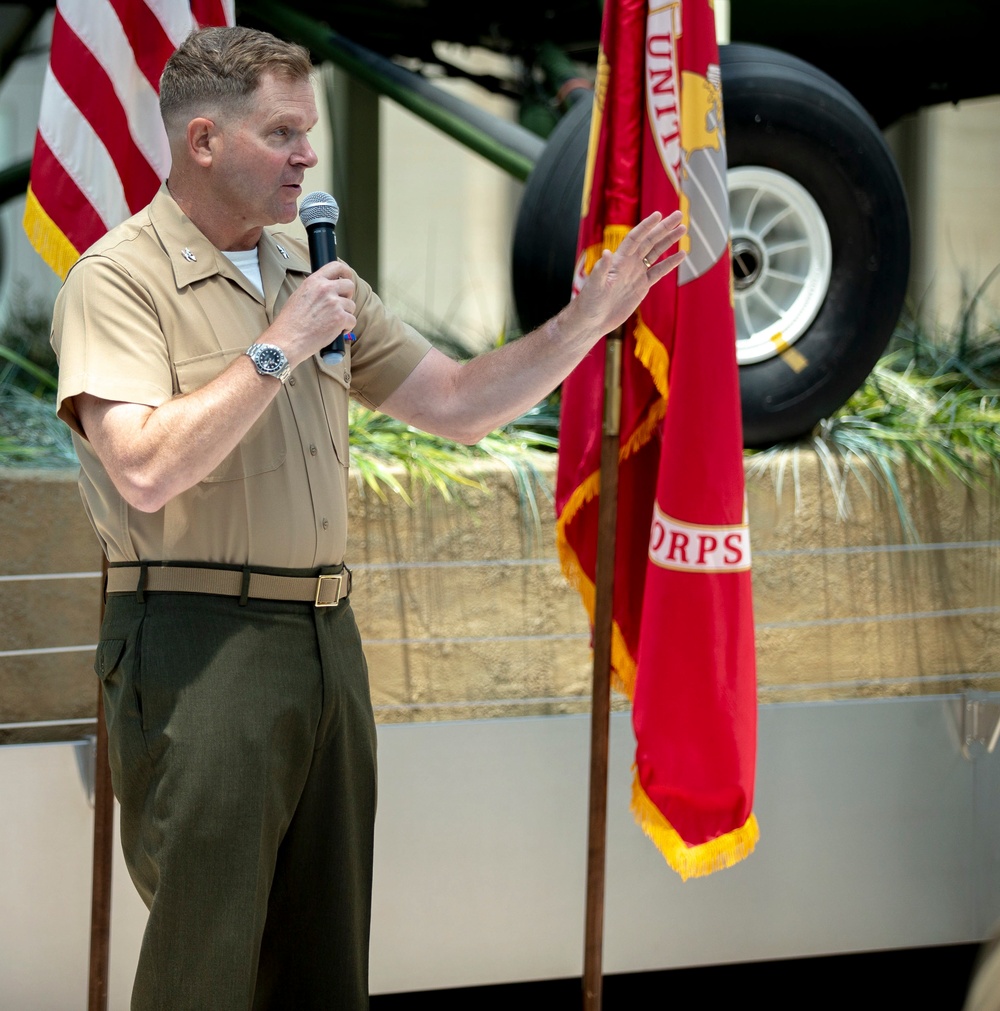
<point>682,638</point>
<point>101,152</point>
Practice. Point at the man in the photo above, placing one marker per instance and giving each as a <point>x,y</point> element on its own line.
<point>214,449</point>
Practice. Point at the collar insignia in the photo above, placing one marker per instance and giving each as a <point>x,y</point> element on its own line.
<point>281,249</point>
<point>188,255</point>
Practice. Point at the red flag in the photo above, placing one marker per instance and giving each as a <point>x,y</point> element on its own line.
<point>100,152</point>
<point>682,643</point>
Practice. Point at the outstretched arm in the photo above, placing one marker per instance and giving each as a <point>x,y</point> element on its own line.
<point>466,402</point>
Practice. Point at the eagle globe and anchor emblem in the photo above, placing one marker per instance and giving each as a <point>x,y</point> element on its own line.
<point>686,122</point>
<point>686,125</point>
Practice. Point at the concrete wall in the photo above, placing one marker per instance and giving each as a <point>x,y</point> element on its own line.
<point>465,613</point>
<point>948,156</point>
<point>46,533</point>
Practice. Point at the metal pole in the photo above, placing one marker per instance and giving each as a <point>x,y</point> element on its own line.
<point>607,518</point>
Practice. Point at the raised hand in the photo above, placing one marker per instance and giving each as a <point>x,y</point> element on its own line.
<point>621,280</point>
<point>317,311</point>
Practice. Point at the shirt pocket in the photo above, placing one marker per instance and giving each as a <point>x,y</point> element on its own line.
<point>262,449</point>
<point>335,388</point>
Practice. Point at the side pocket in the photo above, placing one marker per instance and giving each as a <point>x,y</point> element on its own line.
<point>115,664</point>
<point>109,656</point>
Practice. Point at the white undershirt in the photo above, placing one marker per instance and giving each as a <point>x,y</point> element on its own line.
<point>248,263</point>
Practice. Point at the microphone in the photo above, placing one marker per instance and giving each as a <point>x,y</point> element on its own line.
<point>319,213</point>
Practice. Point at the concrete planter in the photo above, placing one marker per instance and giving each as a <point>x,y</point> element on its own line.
<point>466,615</point>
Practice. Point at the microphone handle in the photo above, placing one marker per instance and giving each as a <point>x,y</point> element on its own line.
<point>323,250</point>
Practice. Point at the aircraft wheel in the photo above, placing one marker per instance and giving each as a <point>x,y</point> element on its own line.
<point>820,240</point>
<point>820,237</point>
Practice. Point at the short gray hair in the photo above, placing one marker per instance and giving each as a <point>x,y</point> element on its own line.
<point>221,68</point>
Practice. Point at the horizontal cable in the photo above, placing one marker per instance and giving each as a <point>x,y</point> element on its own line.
<point>43,650</point>
<point>479,703</point>
<point>31,576</point>
<point>957,612</point>
<point>873,549</point>
<point>87,721</point>
<point>457,564</point>
<point>875,682</point>
<point>443,640</point>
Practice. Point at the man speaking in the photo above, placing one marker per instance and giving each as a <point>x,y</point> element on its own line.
<point>213,443</point>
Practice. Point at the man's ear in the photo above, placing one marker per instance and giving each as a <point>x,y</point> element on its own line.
<point>201,136</point>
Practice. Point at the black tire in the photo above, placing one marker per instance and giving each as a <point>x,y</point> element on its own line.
<point>790,121</point>
<point>548,220</point>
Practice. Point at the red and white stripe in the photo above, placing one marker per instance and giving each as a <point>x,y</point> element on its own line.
<point>101,153</point>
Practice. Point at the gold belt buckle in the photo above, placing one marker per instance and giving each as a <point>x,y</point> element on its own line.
<point>322,598</point>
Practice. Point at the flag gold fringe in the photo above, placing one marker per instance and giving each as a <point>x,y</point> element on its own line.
<point>654,356</point>
<point>651,352</point>
<point>622,664</point>
<point>47,238</point>
<point>643,431</point>
<point>691,861</point>
<point>613,236</point>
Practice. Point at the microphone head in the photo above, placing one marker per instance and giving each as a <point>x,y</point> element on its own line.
<point>318,209</point>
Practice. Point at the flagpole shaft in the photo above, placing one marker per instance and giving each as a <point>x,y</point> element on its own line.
<point>600,711</point>
<point>100,894</point>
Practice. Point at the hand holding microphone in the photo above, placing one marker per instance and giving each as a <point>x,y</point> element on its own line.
<point>319,213</point>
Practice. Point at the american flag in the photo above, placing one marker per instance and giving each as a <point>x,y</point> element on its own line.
<point>101,152</point>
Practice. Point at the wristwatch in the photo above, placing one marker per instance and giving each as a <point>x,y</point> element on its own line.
<point>269,360</point>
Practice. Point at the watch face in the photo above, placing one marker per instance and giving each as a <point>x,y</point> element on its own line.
<point>270,359</point>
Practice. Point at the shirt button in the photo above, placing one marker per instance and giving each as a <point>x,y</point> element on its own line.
<point>291,381</point>
<point>326,523</point>
<point>312,449</point>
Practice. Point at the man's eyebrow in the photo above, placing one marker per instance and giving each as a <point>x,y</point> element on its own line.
<point>291,120</point>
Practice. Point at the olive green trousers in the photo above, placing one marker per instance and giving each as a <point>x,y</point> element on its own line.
<point>242,748</point>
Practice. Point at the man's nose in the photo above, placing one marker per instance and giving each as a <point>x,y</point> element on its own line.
<point>305,155</point>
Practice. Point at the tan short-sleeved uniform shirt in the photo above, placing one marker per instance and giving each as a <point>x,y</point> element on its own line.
<point>153,311</point>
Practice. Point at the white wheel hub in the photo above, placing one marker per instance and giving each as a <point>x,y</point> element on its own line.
<point>781,261</point>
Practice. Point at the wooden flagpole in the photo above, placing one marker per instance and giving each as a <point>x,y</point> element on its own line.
<point>600,712</point>
<point>100,894</point>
